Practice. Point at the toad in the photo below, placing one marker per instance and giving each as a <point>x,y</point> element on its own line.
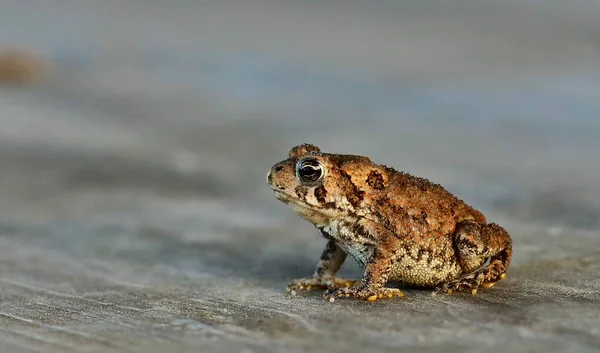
<point>396,226</point>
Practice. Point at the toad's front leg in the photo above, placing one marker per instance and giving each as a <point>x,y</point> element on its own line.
<point>324,277</point>
<point>376,275</point>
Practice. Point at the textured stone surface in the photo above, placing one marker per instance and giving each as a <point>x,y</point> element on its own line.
<point>134,214</point>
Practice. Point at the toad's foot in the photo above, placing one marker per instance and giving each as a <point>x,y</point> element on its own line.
<point>309,283</point>
<point>467,284</point>
<point>359,292</point>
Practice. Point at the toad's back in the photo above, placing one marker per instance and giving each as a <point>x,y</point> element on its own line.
<point>410,203</point>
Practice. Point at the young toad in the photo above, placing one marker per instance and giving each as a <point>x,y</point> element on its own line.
<point>398,227</point>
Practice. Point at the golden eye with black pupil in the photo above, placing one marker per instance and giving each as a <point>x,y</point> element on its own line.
<point>309,170</point>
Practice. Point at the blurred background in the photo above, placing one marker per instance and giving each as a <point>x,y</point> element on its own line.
<point>138,134</point>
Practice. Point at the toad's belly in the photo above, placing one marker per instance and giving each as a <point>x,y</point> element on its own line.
<point>423,272</point>
<point>421,269</point>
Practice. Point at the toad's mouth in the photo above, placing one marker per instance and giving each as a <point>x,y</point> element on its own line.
<point>318,215</point>
<point>281,196</point>
<point>287,199</point>
<point>296,203</point>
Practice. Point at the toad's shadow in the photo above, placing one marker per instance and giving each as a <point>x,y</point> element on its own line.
<point>247,257</point>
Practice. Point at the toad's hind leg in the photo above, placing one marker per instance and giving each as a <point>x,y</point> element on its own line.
<point>475,244</point>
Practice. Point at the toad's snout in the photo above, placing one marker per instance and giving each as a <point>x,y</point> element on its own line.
<point>269,177</point>
<point>273,175</point>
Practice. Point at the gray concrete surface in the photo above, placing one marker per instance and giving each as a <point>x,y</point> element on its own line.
<point>134,216</point>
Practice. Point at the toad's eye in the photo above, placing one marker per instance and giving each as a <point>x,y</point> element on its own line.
<point>309,170</point>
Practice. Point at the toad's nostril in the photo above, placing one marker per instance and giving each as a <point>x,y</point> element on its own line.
<point>278,168</point>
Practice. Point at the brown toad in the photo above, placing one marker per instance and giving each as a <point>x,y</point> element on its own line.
<point>398,227</point>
